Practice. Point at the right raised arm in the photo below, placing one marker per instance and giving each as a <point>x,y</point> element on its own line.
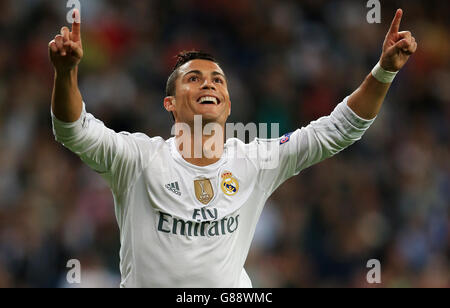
<point>65,53</point>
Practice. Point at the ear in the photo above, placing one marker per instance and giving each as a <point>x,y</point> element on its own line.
<point>169,103</point>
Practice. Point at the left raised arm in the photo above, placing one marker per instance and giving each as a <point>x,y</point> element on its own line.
<point>398,46</point>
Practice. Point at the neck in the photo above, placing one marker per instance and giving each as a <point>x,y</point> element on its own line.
<point>200,149</point>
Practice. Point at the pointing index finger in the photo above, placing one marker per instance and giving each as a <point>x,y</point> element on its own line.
<point>396,22</point>
<point>76,35</point>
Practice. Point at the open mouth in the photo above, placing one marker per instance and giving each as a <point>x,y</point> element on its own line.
<point>208,100</point>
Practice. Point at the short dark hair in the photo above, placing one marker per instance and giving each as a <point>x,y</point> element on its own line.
<point>182,58</point>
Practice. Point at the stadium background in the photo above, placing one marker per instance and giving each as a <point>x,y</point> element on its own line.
<point>387,197</point>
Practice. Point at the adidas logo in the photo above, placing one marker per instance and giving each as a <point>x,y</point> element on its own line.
<point>173,187</point>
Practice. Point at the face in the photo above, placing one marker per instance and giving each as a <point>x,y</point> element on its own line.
<point>201,89</point>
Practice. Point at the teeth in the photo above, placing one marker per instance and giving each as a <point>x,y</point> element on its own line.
<point>208,98</point>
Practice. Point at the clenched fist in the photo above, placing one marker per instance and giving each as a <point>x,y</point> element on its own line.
<point>66,50</point>
<point>397,46</point>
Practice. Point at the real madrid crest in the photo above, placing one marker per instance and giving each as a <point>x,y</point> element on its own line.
<point>203,190</point>
<point>229,184</point>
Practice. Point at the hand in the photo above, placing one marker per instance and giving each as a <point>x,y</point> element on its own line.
<point>66,50</point>
<point>397,46</point>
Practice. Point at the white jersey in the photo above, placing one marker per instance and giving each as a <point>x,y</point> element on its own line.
<point>183,225</point>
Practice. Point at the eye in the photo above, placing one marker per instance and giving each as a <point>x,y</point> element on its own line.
<point>193,79</point>
<point>218,80</point>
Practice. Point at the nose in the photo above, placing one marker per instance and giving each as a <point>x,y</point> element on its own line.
<point>208,85</point>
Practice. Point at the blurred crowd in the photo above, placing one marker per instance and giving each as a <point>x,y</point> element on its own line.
<point>387,197</point>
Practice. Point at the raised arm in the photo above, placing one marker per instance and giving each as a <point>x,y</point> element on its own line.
<point>118,157</point>
<point>65,53</point>
<point>366,101</point>
<point>347,123</point>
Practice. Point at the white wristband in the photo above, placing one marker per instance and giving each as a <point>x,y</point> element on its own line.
<point>382,75</point>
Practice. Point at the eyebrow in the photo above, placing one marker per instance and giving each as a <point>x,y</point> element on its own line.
<point>215,73</point>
